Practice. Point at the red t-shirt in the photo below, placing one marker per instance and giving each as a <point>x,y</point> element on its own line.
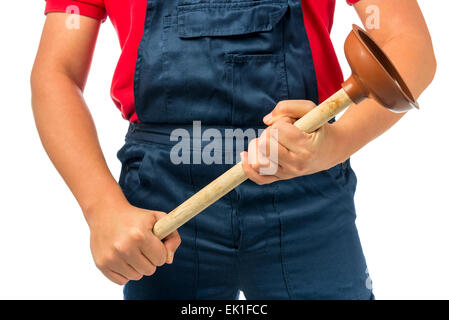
<point>128,18</point>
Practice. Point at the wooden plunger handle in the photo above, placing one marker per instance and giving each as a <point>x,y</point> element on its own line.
<point>229,180</point>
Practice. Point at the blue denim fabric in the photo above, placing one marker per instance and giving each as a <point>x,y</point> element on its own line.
<point>227,64</point>
<point>221,62</point>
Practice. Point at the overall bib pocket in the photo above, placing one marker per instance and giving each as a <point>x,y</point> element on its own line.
<point>258,83</point>
<point>225,18</point>
<point>209,48</point>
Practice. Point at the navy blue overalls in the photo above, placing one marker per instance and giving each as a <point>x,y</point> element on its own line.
<point>227,63</point>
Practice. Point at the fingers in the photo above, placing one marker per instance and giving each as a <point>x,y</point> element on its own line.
<point>138,261</point>
<point>284,171</point>
<point>115,277</point>
<point>291,137</point>
<point>260,164</point>
<point>171,242</point>
<point>113,266</point>
<point>154,250</point>
<point>131,250</point>
<point>289,108</point>
<point>132,262</point>
<point>253,173</point>
<point>282,147</point>
<point>125,270</point>
<point>269,147</point>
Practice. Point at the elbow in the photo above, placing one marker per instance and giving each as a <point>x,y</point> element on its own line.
<point>424,72</point>
<point>33,79</point>
<point>431,67</point>
<point>45,81</point>
<point>36,80</point>
<point>427,70</point>
<point>428,62</point>
<point>424,66</point>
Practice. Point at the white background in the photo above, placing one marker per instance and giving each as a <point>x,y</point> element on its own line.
<point>403,215</point>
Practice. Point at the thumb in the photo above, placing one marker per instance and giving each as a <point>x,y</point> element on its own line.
<point>171,242</point>
<point>151,217</point>
<point>294,109</point>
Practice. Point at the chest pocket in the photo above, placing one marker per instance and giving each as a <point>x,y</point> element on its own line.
<point>227,18</point>
<point>223,61</point>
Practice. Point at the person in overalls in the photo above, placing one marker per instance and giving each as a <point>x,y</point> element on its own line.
<point>226,64</point>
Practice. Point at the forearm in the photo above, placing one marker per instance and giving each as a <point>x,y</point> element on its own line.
<point>121,245</point>
<point>69,137</point>
<point>362,123</point>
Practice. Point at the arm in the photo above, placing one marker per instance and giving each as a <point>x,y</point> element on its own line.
<point>68,135</point>
<point>403,35</point>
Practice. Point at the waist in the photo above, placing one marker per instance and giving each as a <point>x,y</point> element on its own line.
<point>196,134</point>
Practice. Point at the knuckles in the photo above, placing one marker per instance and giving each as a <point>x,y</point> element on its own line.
<point>136,277</point>
<point>106,261</point>
<point>150,271</point>
<point>291,133</point>
<point>159,261</point>
<point>178,242</point>
<point>285,107</point>
<point>121,282</point>
<point>132,239</point>
<point>281,107</point>
<point>306,155</point>
<point>300,163</point>
<point>121,247</point>
<point>136,235</point>
<point>152,219</point>
<point>298,169</point>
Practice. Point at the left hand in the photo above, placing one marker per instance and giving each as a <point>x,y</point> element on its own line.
<point>299,153</point>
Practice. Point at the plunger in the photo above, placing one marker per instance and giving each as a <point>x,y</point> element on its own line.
<point>373,76</point>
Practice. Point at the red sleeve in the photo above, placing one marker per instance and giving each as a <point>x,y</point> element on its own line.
<point>351,2</point>
<point>89,8</point>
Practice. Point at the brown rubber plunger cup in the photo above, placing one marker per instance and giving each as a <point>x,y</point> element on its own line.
<point>373,76</point>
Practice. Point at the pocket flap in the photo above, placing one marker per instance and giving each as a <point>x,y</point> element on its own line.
<point>229,18</point>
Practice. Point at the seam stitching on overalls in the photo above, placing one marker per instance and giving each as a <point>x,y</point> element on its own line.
<point>285,274</point>
<point>284,75</point>
<point>137,69</point>
<point>197,258</point>
<point>233,6</point>
<point>236,251</point>
<point>147,142</point>
<point>229,71</point>
<point>232,220</point>
<point>308,52</point>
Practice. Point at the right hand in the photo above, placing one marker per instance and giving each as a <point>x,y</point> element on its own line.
<point>123,245</point>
